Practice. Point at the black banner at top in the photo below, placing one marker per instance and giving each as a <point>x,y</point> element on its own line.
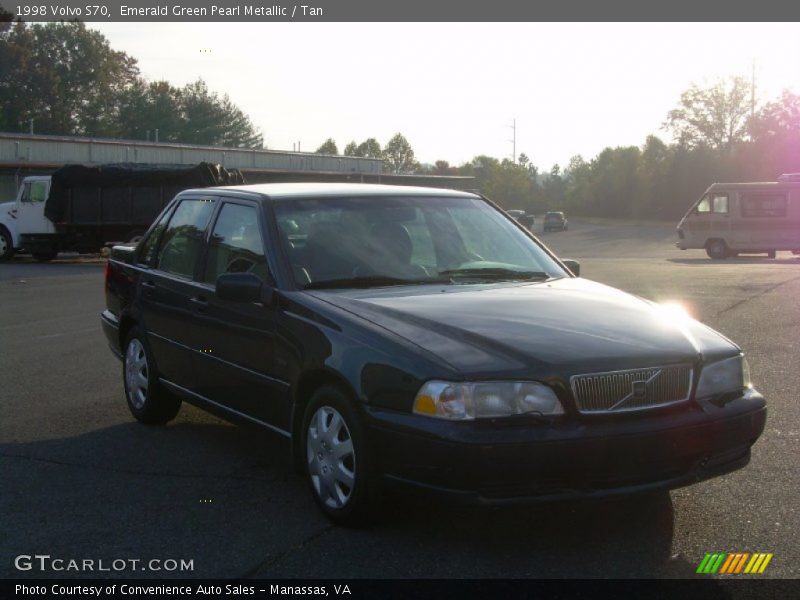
<point>400,10</point>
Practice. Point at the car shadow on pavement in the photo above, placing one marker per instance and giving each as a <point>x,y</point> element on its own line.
<point>227,497</point>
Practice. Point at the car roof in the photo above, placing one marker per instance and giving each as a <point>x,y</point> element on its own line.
<point>280,191</point>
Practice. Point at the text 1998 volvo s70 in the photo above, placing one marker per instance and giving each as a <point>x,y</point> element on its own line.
<point>422,337</point>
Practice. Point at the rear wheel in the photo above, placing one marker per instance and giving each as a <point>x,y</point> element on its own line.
<point>337,463</point>
<point>6,245</point>
<point>717,249</point>
<point>148,401</point>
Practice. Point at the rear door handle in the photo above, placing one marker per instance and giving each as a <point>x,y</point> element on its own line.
<point>149,287</point>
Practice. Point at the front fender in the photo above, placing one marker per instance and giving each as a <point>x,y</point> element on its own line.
<point>7,221</point>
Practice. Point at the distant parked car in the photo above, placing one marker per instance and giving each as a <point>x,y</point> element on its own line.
<point>521,217</point>
<point>526,221</point>
<point>555,221</point>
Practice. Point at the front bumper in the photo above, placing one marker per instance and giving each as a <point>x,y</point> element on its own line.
<point>530,461</point>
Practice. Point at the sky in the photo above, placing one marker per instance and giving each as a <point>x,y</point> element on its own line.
<point>454,89</point>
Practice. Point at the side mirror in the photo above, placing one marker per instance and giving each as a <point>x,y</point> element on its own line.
<point>572,265</point>
<point>239,287</point>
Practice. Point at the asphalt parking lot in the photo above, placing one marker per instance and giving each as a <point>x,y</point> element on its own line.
<point>80,479</point>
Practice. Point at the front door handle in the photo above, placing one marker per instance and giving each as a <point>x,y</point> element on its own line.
<point>199,303</point>
<point>149,287</point>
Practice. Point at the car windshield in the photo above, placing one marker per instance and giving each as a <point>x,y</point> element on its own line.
<point>381,241</point>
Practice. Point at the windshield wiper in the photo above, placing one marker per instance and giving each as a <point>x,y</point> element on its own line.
<point>495,274</point>
<point>367,281</point>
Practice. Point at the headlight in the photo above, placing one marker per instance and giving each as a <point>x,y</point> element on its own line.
<point>729,375</point>
<point>484,400</point>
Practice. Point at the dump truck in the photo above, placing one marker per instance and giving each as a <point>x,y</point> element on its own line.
<point>84,208</point>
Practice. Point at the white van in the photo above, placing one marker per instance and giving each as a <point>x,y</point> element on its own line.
<point>742,218</point>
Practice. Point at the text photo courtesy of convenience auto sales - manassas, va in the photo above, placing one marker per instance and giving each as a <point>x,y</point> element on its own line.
<point>340,308</point>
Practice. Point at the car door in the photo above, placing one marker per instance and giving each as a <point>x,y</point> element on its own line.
<point>167,286</point>
<point>30,208</point>
<point>236,363</point>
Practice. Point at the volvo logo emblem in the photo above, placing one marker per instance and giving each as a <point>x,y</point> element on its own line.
<point>639,390</point>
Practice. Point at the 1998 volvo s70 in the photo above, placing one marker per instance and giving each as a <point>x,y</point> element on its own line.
<point>422,337</point>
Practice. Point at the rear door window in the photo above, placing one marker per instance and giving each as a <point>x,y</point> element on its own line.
<point>236,245</point>
<point>182,241</point>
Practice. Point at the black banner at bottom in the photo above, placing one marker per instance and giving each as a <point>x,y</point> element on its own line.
<point>419,589</point>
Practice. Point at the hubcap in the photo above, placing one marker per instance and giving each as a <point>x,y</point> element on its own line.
<point>3,245</point>
<point>331,458</point>
<point>136,373</point>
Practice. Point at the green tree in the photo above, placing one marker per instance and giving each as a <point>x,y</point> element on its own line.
<point>71,82</point>
<point>208,118</point>
<point>351,149</point>
<point>63,76</point>
<point>369,148</point>
<point>144,107</point>
<point>714,116</point>
<point>442,167</point>
<point>399,156</point>
<point>328,147</point>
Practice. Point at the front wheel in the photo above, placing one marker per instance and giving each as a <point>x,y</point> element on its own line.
<point>717,249</point>
<point>148,401</point>
<point>337,463</point>
<point>6,245</point>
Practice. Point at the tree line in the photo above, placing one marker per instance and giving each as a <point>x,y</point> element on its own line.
<point>720,135</point>
<point>65,79</point>
<point>69,81</point>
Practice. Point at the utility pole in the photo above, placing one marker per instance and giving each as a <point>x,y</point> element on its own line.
<point>753,91</point>
<point>513,140</point>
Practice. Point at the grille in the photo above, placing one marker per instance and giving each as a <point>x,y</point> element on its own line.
<point>635,389</point>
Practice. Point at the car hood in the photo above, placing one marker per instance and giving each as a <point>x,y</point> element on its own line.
<point>569,324</point>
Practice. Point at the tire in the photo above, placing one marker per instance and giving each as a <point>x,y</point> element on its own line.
<point>148,401</point>
<point>772,254</point>
<point>44,255</point>
<point>717,249</point>
<point>6,245</point>
<point>337,464</point>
